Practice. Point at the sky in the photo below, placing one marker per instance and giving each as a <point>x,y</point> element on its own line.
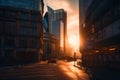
<point>71,7</point>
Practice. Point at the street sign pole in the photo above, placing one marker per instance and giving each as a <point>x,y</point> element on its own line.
<point>74,58</point>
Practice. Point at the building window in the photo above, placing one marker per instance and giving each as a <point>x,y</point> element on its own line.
<point>48,48</point>
<point>53,47</point>
<point>9,42</point>
<point>33,30</point>
<point>1,27</point>
<point>9,54</point>
<point>33,24</point>
<point>116,11</point>
<point>0,42</point>
<point>10,14</point>
<point>61,14</point>
<point>11,1</point>
<point>24,24</point>
<point>24,16</point>
<point>34,17</point>
<point>33,43</point>
<point>1,13</point>
<point>10,27</point>
<point>23,43</point>
<point>23,31</point>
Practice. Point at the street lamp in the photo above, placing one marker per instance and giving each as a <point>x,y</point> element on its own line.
<point>75,51</point>
<point>74,58</point>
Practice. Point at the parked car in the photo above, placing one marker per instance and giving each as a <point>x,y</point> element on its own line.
<point>52,60</point>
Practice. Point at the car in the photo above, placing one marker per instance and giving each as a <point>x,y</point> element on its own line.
<point>52,60</point>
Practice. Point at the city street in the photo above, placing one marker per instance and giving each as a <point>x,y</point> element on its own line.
<point>42,71</point>
<point>59,39</point>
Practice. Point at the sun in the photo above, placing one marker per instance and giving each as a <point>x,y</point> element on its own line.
<point>74,41</point>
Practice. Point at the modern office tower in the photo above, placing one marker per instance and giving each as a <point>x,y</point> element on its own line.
<point>21,31</point>
<point>50,41</point>
<point>100,33</point>
<point>57,24</point>
<point>53,33</point>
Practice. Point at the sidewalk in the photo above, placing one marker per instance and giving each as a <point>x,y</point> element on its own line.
<point>104,74</point>
<point>101,73</point>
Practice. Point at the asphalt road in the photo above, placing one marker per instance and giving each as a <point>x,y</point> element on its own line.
<point>42,71</point>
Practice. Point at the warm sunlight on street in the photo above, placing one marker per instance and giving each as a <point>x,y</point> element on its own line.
<point>74,73</point>
<point>59,39</point>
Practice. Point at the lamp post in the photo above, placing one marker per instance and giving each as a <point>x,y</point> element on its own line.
<point>75,51</point>
<point>74,58</point>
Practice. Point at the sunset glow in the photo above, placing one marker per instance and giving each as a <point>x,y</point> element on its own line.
<point>74,42</point>
<point>71,7</point>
